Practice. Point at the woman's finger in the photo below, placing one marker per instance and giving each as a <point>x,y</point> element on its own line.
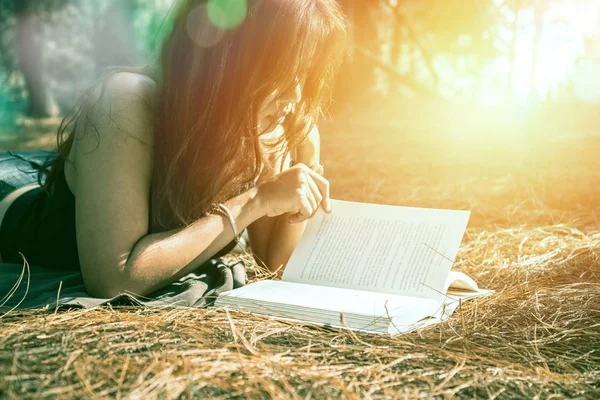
<point>323,185</point>
<point>305,210</point>
<point>314,204</point>
<point>315,192</point>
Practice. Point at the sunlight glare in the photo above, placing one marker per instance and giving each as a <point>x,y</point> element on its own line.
<point>566,67</point>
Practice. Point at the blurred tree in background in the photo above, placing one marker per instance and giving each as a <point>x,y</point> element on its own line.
<point>50,50</point>
<point>455,49</point>
<point>400,39</point>
<point>474,50</point>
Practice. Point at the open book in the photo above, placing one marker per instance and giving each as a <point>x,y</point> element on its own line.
<point>368,267</point>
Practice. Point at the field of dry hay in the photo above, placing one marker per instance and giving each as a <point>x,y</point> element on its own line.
<point>534,237</point>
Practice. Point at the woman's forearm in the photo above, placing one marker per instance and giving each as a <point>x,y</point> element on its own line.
<point>283,236</point>
<point>274,239</point>
<point>161,258</point>
<point>284,239</point>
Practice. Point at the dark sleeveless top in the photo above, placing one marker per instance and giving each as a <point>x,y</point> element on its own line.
<point>42,227</point>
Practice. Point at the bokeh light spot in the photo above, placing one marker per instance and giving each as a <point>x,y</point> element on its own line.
<point>227,14</point>
<point>201,30</point>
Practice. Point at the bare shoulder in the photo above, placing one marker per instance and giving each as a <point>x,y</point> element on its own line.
<point>130,86</point>
<point>116,119</point>
<point>127,104</point>
<point>116,124</point>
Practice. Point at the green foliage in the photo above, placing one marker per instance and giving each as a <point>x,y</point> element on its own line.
<point>68,31</point>
<point>153,22</point>
<point>465,29</point>
<point>7,37</point>
<point>10,106</point>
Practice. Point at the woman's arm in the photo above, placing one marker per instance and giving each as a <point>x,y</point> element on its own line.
<point>273,240</point>
<point>113,162</point>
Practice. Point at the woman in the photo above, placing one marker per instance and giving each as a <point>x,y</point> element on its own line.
<point>154,175</point>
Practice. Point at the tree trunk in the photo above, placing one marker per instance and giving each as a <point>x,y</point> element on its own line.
<point>402,21</point>
<point>400,79</point>
<point>513,50</point>
<point>356,76</point>
<point>539,10</point>
<point>397,42</point>
<point>41,102</point>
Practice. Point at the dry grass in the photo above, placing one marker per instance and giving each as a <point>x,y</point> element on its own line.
<point>534,237</point>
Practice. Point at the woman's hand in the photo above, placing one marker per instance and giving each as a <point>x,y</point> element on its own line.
<point>308,153</point>
<point>298,191</point>
<point>287,197</point>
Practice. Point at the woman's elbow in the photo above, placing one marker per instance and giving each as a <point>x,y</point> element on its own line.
<point>104,283</point>
<point>277,261</point>
<point>103,290</point>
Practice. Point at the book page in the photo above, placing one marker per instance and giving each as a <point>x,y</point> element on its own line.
<point>388,249</point>
<point>461,285</point>
<point>460,281</point>
<point>313,302</point>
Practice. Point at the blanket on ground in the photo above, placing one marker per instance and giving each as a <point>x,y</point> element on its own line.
<point>31,287</point>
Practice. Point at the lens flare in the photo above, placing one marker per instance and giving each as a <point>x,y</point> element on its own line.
<point>227,14</point>
<point>200,28</point>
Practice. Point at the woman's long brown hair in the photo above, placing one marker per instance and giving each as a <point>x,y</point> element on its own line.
<point>212,84</point>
